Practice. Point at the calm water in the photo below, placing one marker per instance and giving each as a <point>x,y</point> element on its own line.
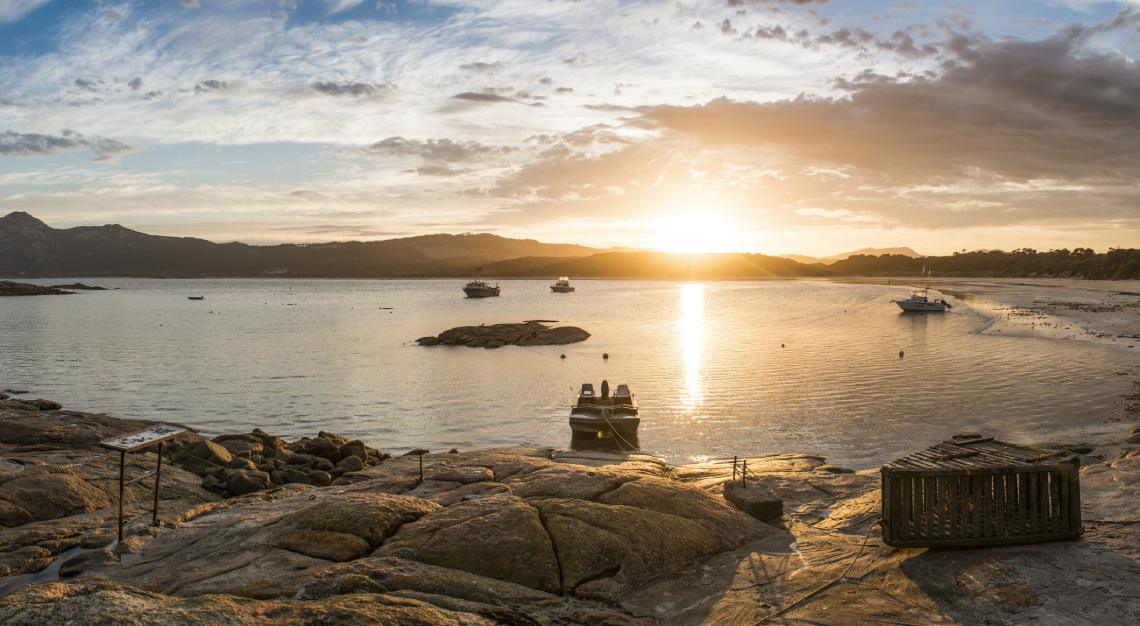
<point>705,361</point>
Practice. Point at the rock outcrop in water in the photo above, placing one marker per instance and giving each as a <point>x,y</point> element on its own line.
<point>9,288</point>
<point>513,536</point>
<point>530,333</point>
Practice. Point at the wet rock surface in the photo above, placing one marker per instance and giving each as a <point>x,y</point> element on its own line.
<point>498,335</point>
<point>515,536</point>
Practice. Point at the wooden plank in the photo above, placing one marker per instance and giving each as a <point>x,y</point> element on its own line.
<point>919,525</point>
<point>928,507</point>
<point>1063,499</point>
<point>999,481</point>
<point>1032,503</point>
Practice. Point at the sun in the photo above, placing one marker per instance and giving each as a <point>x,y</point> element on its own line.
<point>696,231</point>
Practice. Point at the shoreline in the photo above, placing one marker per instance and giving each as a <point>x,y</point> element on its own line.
<point>523,535</point>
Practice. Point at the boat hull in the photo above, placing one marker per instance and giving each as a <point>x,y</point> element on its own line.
<point>473,292</point>
<point>921,307</point>
<point>603,427</point>
<point>557,289</point>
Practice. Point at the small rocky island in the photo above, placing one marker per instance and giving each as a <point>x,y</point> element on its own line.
<point>9,288</point>
<point>529,333</point>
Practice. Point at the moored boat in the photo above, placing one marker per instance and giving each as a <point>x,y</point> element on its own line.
<point>920,301</point>
<point>480,289</point>
<point>195,297</point>
<point>605,416</point>
<point>562,285</point>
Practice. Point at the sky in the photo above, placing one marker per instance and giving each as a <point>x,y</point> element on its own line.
<point>795,126</point>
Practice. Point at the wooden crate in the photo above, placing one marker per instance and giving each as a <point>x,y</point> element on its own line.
<point>974,491</point>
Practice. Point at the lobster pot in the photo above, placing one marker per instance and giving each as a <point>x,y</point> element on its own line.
<point>974,491</point>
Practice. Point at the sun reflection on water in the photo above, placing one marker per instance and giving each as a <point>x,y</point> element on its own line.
<point>692,327</point>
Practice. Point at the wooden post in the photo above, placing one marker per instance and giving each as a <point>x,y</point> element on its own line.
<point>421,455</point>
<point>122,479</point>
<point>157,479</point>
<point>744,475</point>
<point>734,468</point>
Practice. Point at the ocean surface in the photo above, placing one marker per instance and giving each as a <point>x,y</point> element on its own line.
<point>719,368</point>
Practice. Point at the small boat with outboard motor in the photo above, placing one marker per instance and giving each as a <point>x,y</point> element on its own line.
<point>480,289</point>
<point>562,286</point>
<point>606,416</point>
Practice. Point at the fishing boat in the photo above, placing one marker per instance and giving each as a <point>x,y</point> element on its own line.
<point>480,289</point>
<point>920,300</point>
<point>195,297</point>
<point>562,286</point>
<point>605,416</point>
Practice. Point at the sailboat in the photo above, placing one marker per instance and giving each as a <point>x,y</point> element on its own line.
<point>921,302</point>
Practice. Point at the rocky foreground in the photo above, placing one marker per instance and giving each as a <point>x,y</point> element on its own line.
<point>507,536</point>
<point>532,333</point>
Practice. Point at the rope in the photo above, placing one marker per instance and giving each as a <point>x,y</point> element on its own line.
<point>826,585</point>
<point>629,445</point>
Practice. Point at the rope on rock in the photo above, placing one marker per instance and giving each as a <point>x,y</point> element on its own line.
<point>826,585</point>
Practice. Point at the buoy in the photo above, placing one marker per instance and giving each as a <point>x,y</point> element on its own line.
<point>605,355</point>
<point>901,353</point>
<point>562,357</point>
<point>781,345</point>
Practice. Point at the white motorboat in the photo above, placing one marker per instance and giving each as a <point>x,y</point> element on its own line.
<point>480,289</point>
<point>920,301</point>
<point>562,285</point>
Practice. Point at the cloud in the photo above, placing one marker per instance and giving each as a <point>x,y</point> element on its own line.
<point>192,4</point>
<point>486,98</point>
<point>36,144</point>
<point>206,86</point>
<point>354,90</point>
<point>480,67</point>
<point>14,10</point>
<point>338,6</point>
<point>435,150</point>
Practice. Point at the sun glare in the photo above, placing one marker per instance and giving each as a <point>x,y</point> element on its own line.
<point>698,231</point>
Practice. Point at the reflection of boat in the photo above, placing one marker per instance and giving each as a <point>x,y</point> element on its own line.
<point>920,301</point>
<point>480,289</point>
<point>562,286</point>
<point>195,297</point>
<point>606,416</point>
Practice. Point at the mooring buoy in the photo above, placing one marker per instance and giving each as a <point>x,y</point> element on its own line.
<point>605,355</point>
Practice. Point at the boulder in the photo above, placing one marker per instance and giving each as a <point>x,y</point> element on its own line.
<point>49,495</point>
<point>320,477</point>
<point>755,499</point>
<point>241,463</point>
<point>323,544</point>
<point>355,448</point>
<point>350,464</point>
<point>45,405</point>
<point>500,537</point>
<point>530,333</point>
<point>12,515</point>
<point>240,481</point>
<point>291,475</point>
<point>372,517</point>
<point>204,450</point>
<point>464,475</point>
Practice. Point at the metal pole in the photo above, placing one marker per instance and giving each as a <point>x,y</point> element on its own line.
<point>157,479</point>
<point>122,475</point>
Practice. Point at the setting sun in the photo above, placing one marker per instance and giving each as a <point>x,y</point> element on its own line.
<point>698,231</point>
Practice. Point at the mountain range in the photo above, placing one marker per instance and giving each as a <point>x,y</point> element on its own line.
<point>31,248</point>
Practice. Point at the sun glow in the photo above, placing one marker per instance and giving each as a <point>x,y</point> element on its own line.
<point>697,231</point>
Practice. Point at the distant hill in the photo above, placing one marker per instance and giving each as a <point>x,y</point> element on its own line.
<point>29,247</point>
<point>828,260</point>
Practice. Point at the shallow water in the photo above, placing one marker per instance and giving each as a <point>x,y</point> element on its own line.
<point>705,361</point>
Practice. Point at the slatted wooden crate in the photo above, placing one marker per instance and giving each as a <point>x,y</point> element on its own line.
<point>974,491</point>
